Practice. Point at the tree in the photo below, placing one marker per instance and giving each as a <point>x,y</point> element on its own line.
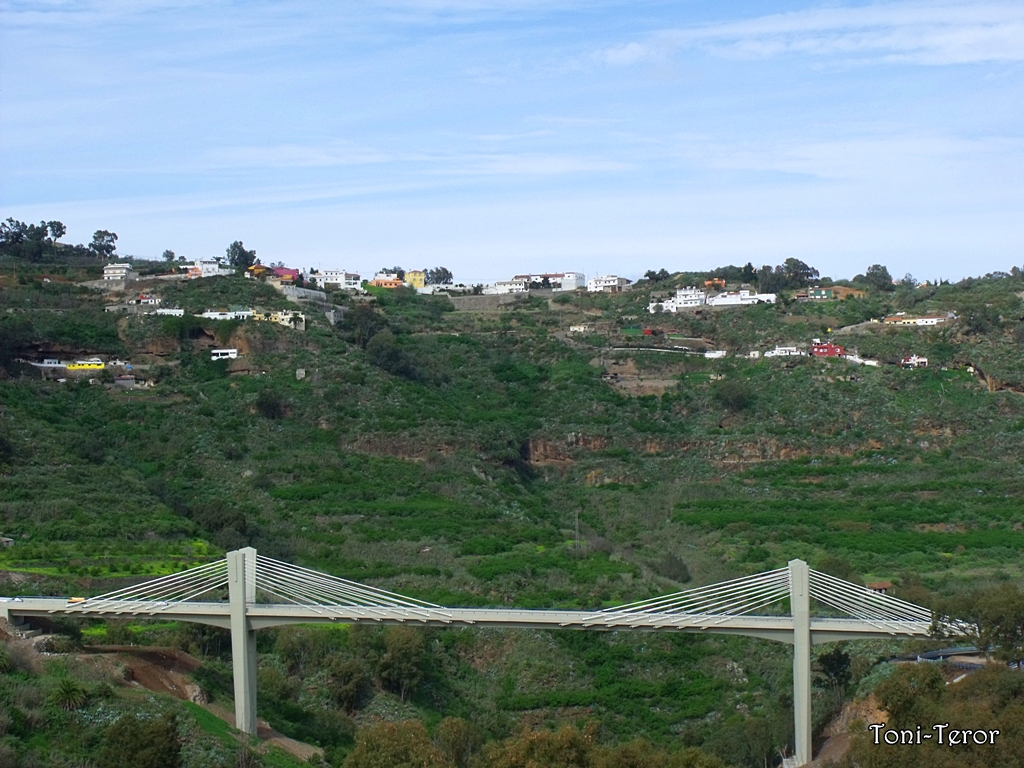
<point>908,693</point>
<point>398,271</point>
<point>37,233</point>
<point>657,277</point>
<point>990,619</point>
<point>770,280</point>
<point>395,745</point>
<point>362,324</point>
<point>401,665</point>
<point>835,666</point>
<point>439,276</point>
<point>459,740</point>
<point>57,230</point>
<point>103,243</point>
<point>169,256</point>
<point>797,274</point>
<point>13,232</point>
<point>239,257</point>
<point>348,681</point>
<point>878,277</point>
<point>792,273</point>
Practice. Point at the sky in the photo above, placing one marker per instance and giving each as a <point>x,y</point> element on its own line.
<point>497,137</point>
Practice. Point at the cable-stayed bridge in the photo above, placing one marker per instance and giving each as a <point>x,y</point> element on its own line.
<point>263,592</point>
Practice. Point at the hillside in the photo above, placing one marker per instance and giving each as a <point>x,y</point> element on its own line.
<point>447,454</point>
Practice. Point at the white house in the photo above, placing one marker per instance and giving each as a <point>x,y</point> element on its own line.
<point>855,358</point>
<point>456,289</point>
<point>122,272</point>
<point>785,352</point>
<point>171,311</point>
<point>508,286</point>
<point>740,299</point>
<point>685,298</point>
<point>715,354</point>
<point>559,281</point>
<point>227,314</point>
<point>223,354</point>
<point>608,284</point>
<point>208,268</point>
<point>914,361</point>
<point>339,279</point>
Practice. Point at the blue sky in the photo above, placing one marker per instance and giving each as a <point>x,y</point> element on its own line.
<point>499,137</point>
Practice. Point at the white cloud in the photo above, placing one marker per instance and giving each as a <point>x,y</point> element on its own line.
<point>860,158</point>
<point>922,33</point>
<point>536,165</point>
<point>503,137</point>
<point>292,156</point>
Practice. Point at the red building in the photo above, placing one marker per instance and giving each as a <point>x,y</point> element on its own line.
<point>827,349</point>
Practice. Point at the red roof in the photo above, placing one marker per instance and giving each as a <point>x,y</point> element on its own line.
<point>285,272</point>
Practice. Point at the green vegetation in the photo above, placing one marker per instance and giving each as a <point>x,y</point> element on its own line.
<point>81,712</point>
<point>448,454</point>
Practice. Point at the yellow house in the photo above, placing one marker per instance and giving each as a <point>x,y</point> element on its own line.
<point>417,278</point>
<point>92,364</point>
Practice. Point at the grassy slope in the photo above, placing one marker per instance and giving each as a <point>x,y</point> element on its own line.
<point>419,482</point>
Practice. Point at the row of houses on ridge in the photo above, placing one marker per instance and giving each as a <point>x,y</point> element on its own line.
<point>692,297</point>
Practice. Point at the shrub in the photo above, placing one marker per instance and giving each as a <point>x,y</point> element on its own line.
<point>385,352</point>
<point>119,633</point>
<point>69,694</point>
<point>734,395</point>
<point>133,743</point>
<point>270,404</point>
<point>671,566</point>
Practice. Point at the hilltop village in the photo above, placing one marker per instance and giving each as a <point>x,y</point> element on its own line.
<point>312,288</point>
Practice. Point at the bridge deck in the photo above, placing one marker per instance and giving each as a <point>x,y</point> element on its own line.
<point>263,615</point>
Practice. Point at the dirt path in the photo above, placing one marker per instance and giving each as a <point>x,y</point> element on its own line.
<point>167,670</point>
<point>837,740</point>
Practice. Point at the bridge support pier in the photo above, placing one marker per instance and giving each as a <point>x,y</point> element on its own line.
<point>241,594</point>
<point>800,608</point>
